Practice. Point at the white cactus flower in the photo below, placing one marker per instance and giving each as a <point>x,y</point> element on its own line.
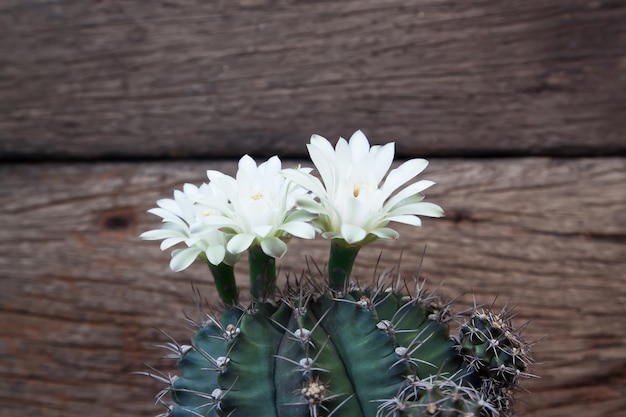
<point>256,207</point>
<point>179,216</point>
<point>357,195</point>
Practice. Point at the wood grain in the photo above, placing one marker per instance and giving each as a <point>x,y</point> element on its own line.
<point>81,295</point>
<point>111,79</point>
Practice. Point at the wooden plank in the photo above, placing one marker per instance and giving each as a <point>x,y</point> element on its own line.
<point>81,295</point>
<point>152,79</point>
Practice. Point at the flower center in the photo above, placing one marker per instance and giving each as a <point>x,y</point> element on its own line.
<point>256,196</point>
<point>356,188</point>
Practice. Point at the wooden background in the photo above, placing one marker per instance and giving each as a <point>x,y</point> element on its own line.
<point>106,106</point>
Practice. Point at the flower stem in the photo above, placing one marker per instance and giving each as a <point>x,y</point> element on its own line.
<point>262,274</point>
<point>224,277</point>
<point>340,262</point>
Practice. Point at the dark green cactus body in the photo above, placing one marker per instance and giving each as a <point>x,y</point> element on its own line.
<point>357,355</point>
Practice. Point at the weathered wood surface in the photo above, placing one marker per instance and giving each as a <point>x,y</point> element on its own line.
<point>81,79</point>
<point>81,295</point>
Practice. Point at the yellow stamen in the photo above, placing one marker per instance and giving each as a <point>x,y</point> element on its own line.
<point>256,196</point>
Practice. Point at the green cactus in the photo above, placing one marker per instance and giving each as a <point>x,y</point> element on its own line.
<point>325,347</point>
<point>363,352</point>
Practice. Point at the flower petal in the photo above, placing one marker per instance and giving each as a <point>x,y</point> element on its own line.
<point>383,160</point>
<point>300,216</point>
<point>405,172</point>
<point>272,166</point>
<point>324,163</point>
<point>412,220</point>
<point>182,258</point>
<point>215,254</point>
<point>412,190</point>
<point>240,243</point>
<point>170,205</point>
<point>310,205</point>
<point>168,216</point>
<point>331,235</point>
<point>299,229</point>
<point>385,233</point>
<point>274,247</point>
<point>159,234</point>
<point>213,222</point>
<point>246,165</point>
<point>359,145</point>
<point>422,208</point>
<point>352,234</point>
<point>262,231</point>
<point>304,180</point>
<point>169,242</point>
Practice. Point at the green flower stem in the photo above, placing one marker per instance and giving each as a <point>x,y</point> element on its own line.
<point>340,262</point>
<point>262,274</point>
<point>224,276</point>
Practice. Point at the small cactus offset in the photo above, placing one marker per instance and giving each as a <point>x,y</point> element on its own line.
<point>325,347</point>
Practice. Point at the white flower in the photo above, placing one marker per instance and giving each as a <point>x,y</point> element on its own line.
<point>179,216</point>
<point>357,195</point>
<point>256,207</point>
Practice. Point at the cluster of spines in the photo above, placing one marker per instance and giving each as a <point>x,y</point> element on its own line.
<point>494,349</point>
<point>428,373</point>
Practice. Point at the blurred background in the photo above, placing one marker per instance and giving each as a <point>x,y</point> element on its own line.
<point>107,106</point>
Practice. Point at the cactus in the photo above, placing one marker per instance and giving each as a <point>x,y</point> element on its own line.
<point>366,352</point>
<point>327,346</point>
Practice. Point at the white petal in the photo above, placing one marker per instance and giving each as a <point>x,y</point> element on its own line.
<point>359,145</point>
<point>170,205</point>
<point>213,222</point>
<point>343,155</point>
<point>274,247</point>
<point>168,243</point>
<point>352,234</point>
<point>246,164</point>
<point>356,211</point>
<point>182,258</point>
<point>383,160</point>
<point>240,243</point>
<point>272,166</point>
<point>202,228</point>
<point>414,189</point>
<point>386,233</point>
<point>405,172</point>
<point>310,205</point>
<point>168,216</point>
<point>190,189</point>
<point>412,220</point>
<point>213,175</point>
<point>215,254</point>
<point>300,216</point>
<point>420,209</point>
<point>262,231</point>
<point>305,180</point>
<point>324,158</point>
<point>324,161</point>
<point>331,235</point>
<point>299,229</point>
<point>225,189</point>
<point>323,145</point>
<point>159,234</point>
